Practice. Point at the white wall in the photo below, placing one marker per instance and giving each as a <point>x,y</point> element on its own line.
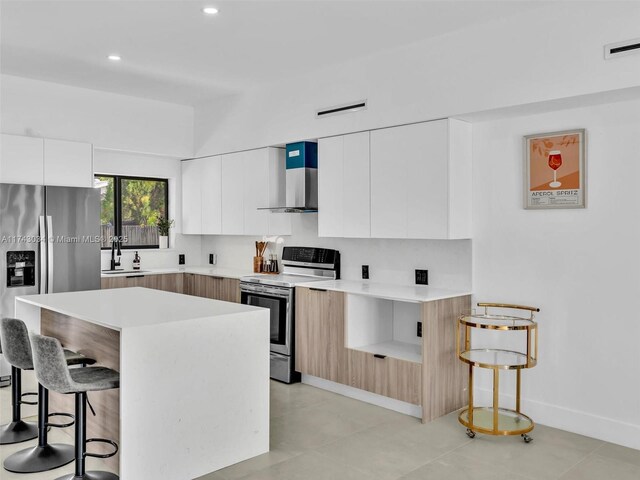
<point>546,53</point>
<point>117,163</point>
<point>33,107</point>
<point>581,267</point>
<point>390,261</point>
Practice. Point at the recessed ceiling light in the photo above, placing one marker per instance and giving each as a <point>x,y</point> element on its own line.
<point>114,58</point>
<point>210,10</point>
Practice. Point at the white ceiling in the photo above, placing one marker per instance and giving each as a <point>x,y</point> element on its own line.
<point>172,52</point>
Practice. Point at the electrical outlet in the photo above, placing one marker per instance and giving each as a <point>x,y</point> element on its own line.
<point>211,258</point>
<point>181,259</point>
<point>422,277</point>
<point>419,329</point>
<point>365,272</point>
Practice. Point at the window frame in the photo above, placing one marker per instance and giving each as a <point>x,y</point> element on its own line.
<point>117,205</point>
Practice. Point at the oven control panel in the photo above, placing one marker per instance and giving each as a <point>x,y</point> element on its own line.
<point>310,255</point>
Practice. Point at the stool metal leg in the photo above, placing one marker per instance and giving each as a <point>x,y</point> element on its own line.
<point>42,457</point>
<point>17,431</point>
<point>81,443</point>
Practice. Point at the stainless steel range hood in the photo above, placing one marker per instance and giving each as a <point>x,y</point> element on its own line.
<point>301,179</point>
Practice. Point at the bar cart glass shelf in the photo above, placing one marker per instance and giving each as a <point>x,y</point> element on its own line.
<point>495,420</point>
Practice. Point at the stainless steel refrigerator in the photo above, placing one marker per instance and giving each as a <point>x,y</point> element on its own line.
<point>49,242</point>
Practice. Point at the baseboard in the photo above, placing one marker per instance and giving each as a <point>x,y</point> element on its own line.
<point>364,396</point>
<point>602,428</point>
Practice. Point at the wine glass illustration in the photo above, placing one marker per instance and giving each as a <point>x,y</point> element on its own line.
<point>555,162</point>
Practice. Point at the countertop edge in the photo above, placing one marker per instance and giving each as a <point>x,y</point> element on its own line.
<point>438,293</point>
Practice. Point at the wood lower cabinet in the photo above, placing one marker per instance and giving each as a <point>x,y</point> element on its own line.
<point>386,376</point>
<point>217,288</point>
<point>171,282</point>
<point>438,384</point>
<point>320,334</point>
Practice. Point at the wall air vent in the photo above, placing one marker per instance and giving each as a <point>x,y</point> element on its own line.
<point>620,49</point>
<point>346,108</point>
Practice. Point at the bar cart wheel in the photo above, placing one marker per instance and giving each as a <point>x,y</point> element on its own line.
<point>471,433</point>
<point>526,438</point>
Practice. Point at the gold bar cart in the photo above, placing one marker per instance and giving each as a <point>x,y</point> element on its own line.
<point>495,420</point>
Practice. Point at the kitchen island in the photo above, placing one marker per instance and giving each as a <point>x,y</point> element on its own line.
<point>194,375</point>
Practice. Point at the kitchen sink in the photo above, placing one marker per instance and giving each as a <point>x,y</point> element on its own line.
<point>116,272</point>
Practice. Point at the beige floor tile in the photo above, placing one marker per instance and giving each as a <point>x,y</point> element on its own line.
<point>617,452</point>
<point>596,467</point>
<point>242,469</point>
<point>309,466</point>
<point>457,467</point>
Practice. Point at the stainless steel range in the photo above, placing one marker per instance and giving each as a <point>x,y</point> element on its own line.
<point>277,293</point>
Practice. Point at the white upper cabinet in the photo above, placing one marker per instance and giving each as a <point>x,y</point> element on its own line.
<point>421,181</point>
<point>343,186</point>
<point>21,160</point>
<point>222,194</point>
<point>69,164</point>
<point>233,173</point>
<point>38,161</point>
<point>192,196</point>
<point>211,188</point>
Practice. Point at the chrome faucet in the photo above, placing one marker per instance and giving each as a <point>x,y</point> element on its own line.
<point>115,242</point>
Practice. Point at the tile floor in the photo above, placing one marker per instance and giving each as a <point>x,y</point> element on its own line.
<point>55,435</point>
<point>318,435</point>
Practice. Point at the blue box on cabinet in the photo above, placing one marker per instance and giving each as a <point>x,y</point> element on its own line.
<point>302,155</point>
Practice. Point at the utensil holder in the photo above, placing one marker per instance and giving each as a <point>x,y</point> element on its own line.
<point>257,264</point>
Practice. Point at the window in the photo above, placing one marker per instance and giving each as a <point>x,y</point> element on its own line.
<point>131,207</point>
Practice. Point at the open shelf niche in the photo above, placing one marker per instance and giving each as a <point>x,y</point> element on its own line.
<point>383,327</point>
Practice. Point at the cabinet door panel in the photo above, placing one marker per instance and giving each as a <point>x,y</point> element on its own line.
<point>330,186</point>
<point>427,180</point>
<point>390,148</point>
<point>233,194</point>
<point>21,159</point>
<point>387,376</point>
<point>256,192</point>
<point>356,191</point>
<point>211,195</point>
<point>320,335</point>
<point>68,164</point>
<point>191,197</point>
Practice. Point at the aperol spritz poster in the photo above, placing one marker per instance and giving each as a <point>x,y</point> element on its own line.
<point>555,170</point>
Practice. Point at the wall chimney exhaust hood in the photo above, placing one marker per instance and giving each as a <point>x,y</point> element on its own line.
<point>301,179</point>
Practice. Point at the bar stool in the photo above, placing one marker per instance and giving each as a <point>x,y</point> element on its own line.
<point>17,431</point>
<point>53,373</point>
<point>44,456</point>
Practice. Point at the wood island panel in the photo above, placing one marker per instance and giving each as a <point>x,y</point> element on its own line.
<point>102,344</point>
<point>445,377</point>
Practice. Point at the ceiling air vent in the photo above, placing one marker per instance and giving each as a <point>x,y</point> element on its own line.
<point>346,108</point>
<point>620,49</point>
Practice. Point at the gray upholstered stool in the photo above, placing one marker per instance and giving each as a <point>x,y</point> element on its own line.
<point>17,430</point>
<point>43,457</point>
<point>53,373</point>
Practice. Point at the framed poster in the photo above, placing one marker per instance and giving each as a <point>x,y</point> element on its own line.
<point>555,170</point>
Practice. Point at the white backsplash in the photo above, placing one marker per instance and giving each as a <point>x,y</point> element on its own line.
<point>390,261</point>
<point>189,245</point>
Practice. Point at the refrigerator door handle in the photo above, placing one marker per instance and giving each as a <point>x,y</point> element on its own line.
<point>42,288</point>
<point>49,254</point>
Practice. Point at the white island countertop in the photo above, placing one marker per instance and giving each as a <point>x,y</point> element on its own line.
<point>401,293</point>
<point>121,308</point>
<point>210,271</point>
